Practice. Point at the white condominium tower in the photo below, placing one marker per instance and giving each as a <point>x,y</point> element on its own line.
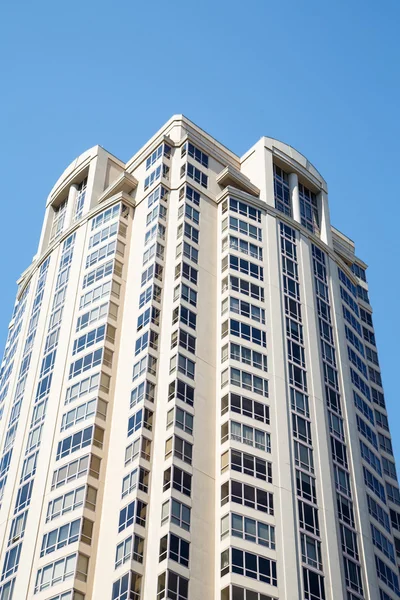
<point>190,395</point>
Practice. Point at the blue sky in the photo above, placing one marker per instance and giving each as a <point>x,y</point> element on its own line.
<point>321,76</point>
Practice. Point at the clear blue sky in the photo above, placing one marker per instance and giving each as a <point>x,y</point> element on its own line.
<point>321,76</point>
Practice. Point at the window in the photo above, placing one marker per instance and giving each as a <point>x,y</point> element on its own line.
<point>107,215</point>
<point>28,467</point>
<point>371,458</point>
<point>245,380</point>
<point>244,246</point>
<point>100,292</point>
<point>75,469</point>
<point>142,418</point>
<point>244,287</point>
<point>243,308</point>
<point>247,495</point>
<point>299,402</point>
<point>195,174</point>
<point>190,213</point>
<point>306,487</point>
<point>11,561</point>
<point>175,548</point>
<point>389,468</point>
<point>362,293</point>
<point>97,274</point>
<point>184,365</point>
<point>188,251</point>
<point>373,484</point>
<point>244,331</point>
<point>181,481</point>
<point>393,493</point>
<point>246,435</point>
<point>177,512</point>
<point>186,293</point>
<point>314,588</point>
<point>79,440</point>
<point>58,220</point>
<point>137,478</point>
<point>189,231</point>
<point>308,517</point>
<point>190,194</point>
<point>243,266</point>
<point>127,587</point>
<point>82,412</point>
<point>298,377</point>
<point>101,253</point>
<point>195,153</point>
<point>130,549</point>
<point>86,362</point>
<point>181,390</point>
<point>83,387</point>
<point>379,513</point>
<point>186,341</point>
<point>382,543</point>
<point>23,496</point>
<point>183,420</point>
<point>187,272</point>
<point>145,390</point>
<point>58,538</point>
<point>246,210</point>
<point>304,457</point>
<point>364,408</point>
<point>148,363</point>
<point>128,515</point>
<point>104,234</point>
<point>246,464</point>
<point>17,529</point>
<point>185,316</point>
<point>281,191</point>
<point>154,175</point>
<point>171,585</point>
<point>367,432</point>
<point>386,575</point>
<point>310,551</point>
<point>180,448</point>
<point>242,227</point>
<point>141,446</point>
<point>248,529</point>
<point>58,571</point>
<point>163,150</point>
<point>92,316</point>
<point>308,208</point>
<point>248,564</point>
<point>66,503</point>
<point>246,407</point>
<point>155,270</point>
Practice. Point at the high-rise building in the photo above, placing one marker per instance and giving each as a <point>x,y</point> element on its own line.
<point>190,395</point>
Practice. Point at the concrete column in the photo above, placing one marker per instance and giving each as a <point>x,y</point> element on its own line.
<point>294,196</point>
<point>69,215</point>
<point>325,221</point>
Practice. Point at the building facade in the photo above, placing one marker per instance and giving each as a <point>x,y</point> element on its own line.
<point>190,395</point>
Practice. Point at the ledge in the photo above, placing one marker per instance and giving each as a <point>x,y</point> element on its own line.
<point>124,183</point>
<point>240,195</point>
<point>232,177</point>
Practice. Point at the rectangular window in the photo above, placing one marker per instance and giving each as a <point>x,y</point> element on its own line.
<point>194,173</point>
<point>249,565</point>
<point>195,153</point>
<point>246,407</point>
<point>58,538</point>
<point>248,529</point>
<point>246,464</point>
<point>175,548</point>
